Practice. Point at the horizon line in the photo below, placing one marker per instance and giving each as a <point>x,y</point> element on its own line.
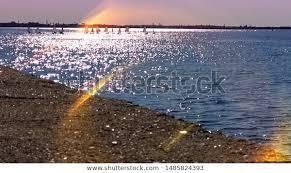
<point>139,25</point>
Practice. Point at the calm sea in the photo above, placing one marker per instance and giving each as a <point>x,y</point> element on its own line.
<point>172,71</point>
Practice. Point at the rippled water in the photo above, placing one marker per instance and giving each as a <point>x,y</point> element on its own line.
<point>256,65</point>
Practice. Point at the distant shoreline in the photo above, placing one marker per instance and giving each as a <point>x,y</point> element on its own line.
<point>245,27</point>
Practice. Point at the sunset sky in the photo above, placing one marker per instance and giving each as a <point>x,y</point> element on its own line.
<point>218,12</point>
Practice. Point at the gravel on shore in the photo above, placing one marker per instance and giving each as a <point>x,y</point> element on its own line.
<point>35,127</point>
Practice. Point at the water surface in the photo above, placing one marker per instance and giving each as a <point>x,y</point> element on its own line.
<point>256,66</point>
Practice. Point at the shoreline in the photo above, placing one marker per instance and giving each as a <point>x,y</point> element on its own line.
<point>37,127</point>
<point>202,27</point>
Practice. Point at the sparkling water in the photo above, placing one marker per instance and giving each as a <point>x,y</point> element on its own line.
<point>255,67</point>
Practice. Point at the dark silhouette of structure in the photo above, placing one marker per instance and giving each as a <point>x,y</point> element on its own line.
<point>83,25</point>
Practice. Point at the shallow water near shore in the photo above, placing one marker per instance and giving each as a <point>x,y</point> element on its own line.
<point>255,64</point>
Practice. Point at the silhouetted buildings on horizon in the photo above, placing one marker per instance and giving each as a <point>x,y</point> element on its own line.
<point>77,25</point>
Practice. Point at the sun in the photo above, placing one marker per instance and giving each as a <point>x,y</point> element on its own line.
<point>98,18</point>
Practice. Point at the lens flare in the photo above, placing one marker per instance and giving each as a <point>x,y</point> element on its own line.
<point>99,18</point>
<point>270,154</point>
<point>178,136</point>
<point>73,126</point>
<point>278,151</point>
<point>89,94</point>
<point>93,16</point>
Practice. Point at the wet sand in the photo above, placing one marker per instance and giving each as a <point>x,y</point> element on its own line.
<point>35,126</point>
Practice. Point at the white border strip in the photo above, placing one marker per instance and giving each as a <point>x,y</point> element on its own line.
<point>149,168</point>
